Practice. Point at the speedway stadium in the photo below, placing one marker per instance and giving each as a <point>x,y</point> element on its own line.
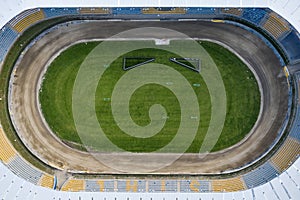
<point>42,159</point>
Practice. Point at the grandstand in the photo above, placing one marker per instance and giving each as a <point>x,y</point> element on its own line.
<point>7,38</point>
<point>228,185</point>
<point>276,26</point>
<point>131,185</point>
<point>291,45</point>
<point>254,15</point>
<point>260,175</point>
<point>109,185</point>
<point>162,186</point>
<point>278,178</point>
<point>95,185</point>
<point>200,11</point>
<point>295,130</point>
<point>286,154</point>
<point>24,170</point>
<point>6,151</point>
<point>126,11</point>
<point>26,19</point>
<point>170,186</point>
<point>57,12</point>
<point>156,186</point>
<point>92,11</point>
<point>163,10</point>
<point>148,185</point>
<point>74,185</point>
<point>47,181</point>
<point>195,186</point>
<point>232,11</point>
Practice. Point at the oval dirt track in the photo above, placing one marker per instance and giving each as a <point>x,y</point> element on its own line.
<point>46,146</point>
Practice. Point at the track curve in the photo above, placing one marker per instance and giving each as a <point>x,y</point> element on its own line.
<point>35,135</point>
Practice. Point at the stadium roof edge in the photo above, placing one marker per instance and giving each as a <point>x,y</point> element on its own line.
<point>11,8</point>
<point>289,10</point>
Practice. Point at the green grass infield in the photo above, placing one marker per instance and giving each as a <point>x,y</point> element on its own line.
<point>243,99</point>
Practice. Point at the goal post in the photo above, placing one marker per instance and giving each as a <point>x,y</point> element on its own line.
<point>190,63</point>
<point>132,62</point>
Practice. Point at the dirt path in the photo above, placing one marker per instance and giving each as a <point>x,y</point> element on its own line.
<point>36,136</point>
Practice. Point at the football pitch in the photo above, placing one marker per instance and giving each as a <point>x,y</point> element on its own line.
<point>242,93</point>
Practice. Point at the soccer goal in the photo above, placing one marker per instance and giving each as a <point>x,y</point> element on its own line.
<point>190,63</point>
<point>132,62</point>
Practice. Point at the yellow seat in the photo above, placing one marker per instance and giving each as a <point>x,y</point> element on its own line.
<point>47,181</point>
<point>28,20</point>
<point>74,185</point>
<point>228,185</point>
<point>7,152</point>
<point>95,11</point>
<point>287,154</point>
<point>275,25</point>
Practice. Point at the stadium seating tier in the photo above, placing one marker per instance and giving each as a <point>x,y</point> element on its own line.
<point>7,38</point>
<point>26,19</point>
<point>7,152</point>
<point>276,26</point>
<point>254,15</point>
<point>286,155</point>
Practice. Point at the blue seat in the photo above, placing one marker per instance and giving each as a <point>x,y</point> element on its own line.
<point>56,12</point>
<point>7,38</point>
<point>200,11</point>
<point>254,15</point>
<point>127,11</point>
<point>291,44</point>
<point>260,175</point>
